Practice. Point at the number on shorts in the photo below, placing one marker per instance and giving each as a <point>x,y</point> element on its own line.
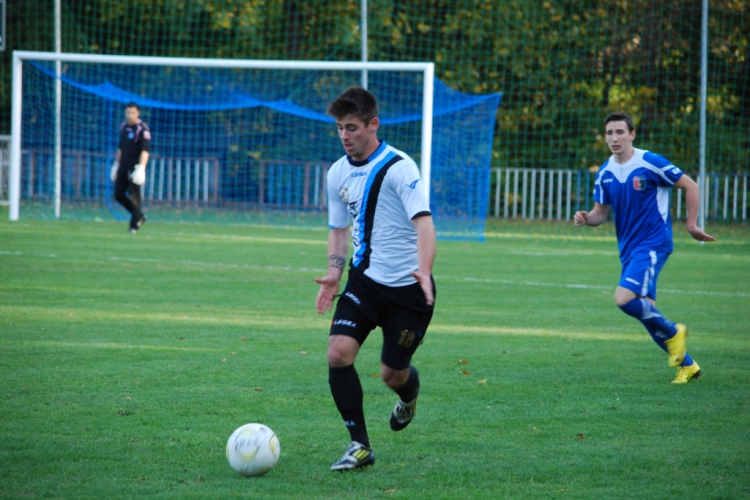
<point>407,338</point>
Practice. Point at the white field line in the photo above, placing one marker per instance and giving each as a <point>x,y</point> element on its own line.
<point>681,237</point>
<point>181,262</point>
<point>111,345</point>
<point>437,278</point>
<point>595,287</point>
<point>533,332</point>
<point>310,322</point>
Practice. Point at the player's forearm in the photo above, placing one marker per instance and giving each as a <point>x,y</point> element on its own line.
<point>338,244</point>
<point>426,243</point>
<point>595,218</point>
<point>118,155</point>
<point>692,200</point>
<point>598,215</point>
<point>143,159</point>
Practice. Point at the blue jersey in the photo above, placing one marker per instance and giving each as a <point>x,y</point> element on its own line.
<point>638,192</point>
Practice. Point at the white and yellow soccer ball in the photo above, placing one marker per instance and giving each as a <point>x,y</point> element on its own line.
<point>253,449</point>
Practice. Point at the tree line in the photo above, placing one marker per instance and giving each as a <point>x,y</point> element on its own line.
<point>561,65</point>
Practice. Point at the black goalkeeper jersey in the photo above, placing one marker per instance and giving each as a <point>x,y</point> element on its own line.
<point>133,140</point>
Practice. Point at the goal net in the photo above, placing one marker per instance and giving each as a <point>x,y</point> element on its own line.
<point>234,140</point>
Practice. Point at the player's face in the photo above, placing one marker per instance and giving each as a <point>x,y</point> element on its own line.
<point>359,139</point>
<point>619,138</point>
<point>132,115</point>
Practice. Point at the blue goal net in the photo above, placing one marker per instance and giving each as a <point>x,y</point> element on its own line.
<point>240,144</point>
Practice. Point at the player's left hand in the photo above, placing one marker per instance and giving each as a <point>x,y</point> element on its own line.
<point>138,176</point>
<point>329,288</point>
<point>698,234</point>
<point>426,283</point>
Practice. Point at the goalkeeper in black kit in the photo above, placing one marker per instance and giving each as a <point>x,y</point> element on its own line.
<point>129,169</point>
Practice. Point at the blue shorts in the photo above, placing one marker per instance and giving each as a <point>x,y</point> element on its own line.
<point>640,272</point>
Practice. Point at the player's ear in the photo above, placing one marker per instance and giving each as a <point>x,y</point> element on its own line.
<point>374,124</point>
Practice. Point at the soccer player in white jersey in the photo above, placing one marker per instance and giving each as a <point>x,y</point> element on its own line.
<point>635,183</point>
<point>375,189</point>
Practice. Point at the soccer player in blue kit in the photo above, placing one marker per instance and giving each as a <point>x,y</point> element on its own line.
<point>635,183</point>
<point>375,188</point>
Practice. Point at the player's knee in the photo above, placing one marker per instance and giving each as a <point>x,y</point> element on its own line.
<point>341,351</point>
<point>394,379</point>
<point>619,301</point>
<point>337,358</point>
<point>623,296</point>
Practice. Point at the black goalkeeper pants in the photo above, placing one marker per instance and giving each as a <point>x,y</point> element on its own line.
<point>128,194</point>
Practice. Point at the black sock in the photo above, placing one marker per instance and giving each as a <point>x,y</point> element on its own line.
<point>410,389</point>
<point>347,394</point>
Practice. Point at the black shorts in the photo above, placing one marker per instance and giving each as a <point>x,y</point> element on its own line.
<point>401,312</point>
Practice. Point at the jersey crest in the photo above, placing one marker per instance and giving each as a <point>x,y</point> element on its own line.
<point>344,194</point>
<point>639,183</point>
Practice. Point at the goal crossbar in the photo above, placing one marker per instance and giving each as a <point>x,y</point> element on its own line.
<point>426,68</point>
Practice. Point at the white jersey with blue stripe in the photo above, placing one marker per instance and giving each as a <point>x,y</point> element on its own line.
<point>380,196</point>
<point>638,192</point>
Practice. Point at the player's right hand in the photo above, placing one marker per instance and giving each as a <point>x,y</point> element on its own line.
<point>113,171</point>
<point>579,219</point>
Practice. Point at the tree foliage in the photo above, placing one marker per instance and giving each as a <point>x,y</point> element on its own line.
<point>561,64</point>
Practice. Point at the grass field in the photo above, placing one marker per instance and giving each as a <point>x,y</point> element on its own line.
<point>127,361</point>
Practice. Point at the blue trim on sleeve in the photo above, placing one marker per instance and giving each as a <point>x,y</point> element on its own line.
<point>656,160</point>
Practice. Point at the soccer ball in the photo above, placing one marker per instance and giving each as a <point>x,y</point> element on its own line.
<point>253,449</point>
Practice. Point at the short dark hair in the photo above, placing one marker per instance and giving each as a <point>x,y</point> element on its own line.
<point>132,105</point>
<point>354,101</point>
<point>620,116</point>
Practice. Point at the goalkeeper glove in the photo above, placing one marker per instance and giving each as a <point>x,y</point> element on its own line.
<point>138,176</point>
<point>113,171</point>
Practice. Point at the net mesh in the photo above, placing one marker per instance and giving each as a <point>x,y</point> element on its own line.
<point>253,143</point>
<point>561,65</point>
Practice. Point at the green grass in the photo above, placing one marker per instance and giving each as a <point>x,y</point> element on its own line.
<point>127,361</point>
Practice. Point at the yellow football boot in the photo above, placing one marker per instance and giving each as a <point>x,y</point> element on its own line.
<point>685,373</point>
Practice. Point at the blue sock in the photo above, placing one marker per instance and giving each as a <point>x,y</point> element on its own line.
<point>657,325</point>
<point>687,361</point>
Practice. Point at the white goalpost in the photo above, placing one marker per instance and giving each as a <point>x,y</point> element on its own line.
<point>20,58</point>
